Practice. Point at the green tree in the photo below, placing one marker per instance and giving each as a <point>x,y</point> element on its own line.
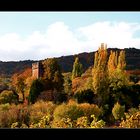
<point>21,86</point>
<point>67,83</point>
<point>117,74</point>
<point>77,69</point>
<point>52,74</point>
<point>36,88</point>
<point>8,96</point>
<point>118,111</point>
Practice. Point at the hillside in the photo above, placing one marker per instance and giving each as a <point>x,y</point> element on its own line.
<point>11,67</point>
<point>66,62</point>
<point>132,59</point>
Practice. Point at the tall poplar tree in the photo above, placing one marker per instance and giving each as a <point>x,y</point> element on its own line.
<point>77,69</point>
<point>121,61</point>
<point>100,75</point>
<point>117,73</point>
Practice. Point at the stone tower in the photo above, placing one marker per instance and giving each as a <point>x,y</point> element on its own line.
<point>37,70</point>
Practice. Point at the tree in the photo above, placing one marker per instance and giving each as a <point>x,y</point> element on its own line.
<point>77,69</point>
<point>100,75</point>
<point>67,83</point>
<point>121,61</point>
<point>8,96</point>
<point>52,74</point>
<point>19,81</point>
<point>36,88</point>
<point>118,111</point>
<point>112,62</point>
<point>117,74</point>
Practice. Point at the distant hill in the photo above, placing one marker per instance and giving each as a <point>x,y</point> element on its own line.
<point>11,67</point>
<point>87,59</point>
<point>66,62</point>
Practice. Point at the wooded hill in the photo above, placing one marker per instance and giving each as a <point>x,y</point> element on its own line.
<point>66,62</point>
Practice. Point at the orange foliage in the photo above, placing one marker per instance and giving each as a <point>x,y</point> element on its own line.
<point>24,75</point>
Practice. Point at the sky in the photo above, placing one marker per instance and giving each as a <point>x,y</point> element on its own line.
<point>41,35</point>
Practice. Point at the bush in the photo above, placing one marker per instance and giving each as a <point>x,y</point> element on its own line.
<point>90,109</point>
<point>132,122</point>
<point>82,122</point>
<point>8,96</point>
<point>97,123</point>
<point>24,115</point>
<point>39,109</point>
<point>71,111</point>
<point>118,111</point>
<point>62,123</point>
<point>8,115</point>
<point>84,96</point>
<point>44,122</point>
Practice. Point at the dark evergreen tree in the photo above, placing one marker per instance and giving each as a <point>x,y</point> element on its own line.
<point>36,88</point>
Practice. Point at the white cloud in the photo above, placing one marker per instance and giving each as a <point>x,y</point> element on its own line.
<point>114,34</point>
<point>60,40</point>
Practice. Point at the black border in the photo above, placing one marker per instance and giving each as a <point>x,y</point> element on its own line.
<point>72,134</point>
<point>69,5</point>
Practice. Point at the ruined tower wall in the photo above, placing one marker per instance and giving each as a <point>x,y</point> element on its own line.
<point>37,70</point>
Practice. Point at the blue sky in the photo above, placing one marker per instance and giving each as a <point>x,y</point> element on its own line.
<point>38,35</point>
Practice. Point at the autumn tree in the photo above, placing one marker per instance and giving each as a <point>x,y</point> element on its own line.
<point>121,61</point>
<point>116,68</point>
<point>52,74</point>
<point>100,75</point>
<point>112,62</point>
<point>77,69</point>
<point>19,81</point>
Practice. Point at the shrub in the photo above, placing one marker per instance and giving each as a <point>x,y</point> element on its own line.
<point>118,111</point>
<point>84,96</point>
<point>132,122</point>
<point>62,123</point>
<point>44,122</point>
<point>39,109</point>
<point>8,96</point>
<point>8,115</point>
<point>12,114</point>
<point>90,109</point>
<point>82,122</point>
<point>97,123</point>
<point>72,111</point>
<point>17,125</point>
<point>24,115</point>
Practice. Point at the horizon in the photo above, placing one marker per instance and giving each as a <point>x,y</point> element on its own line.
<point>39,35</point>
